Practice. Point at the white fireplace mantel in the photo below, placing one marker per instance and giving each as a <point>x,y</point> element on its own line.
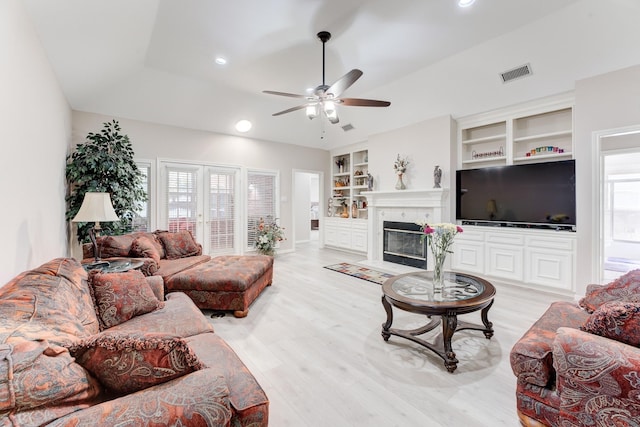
<point>407,198</point>
<point>401,205</point>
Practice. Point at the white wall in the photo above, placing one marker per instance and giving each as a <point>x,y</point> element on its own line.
<point>603,102</point>
<point>152,141</point>
<point>426,144</point>
<point>35,135</point>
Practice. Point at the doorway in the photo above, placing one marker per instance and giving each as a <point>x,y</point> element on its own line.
<point>306,207</point>
<point>619,203</point>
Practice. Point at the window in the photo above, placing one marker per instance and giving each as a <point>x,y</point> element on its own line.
<point>222,210</point>
<point>141,217</point>
<point>261,200</point>
<point>182,199</point>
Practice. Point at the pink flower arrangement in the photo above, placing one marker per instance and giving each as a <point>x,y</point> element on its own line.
<point>440,237</point>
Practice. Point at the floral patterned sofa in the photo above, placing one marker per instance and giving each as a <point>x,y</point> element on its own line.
<point>108,349</point>
<point>224,283</point>
<point>579,364</point>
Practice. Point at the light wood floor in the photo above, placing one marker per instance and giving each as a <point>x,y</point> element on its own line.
<point>313,342</point>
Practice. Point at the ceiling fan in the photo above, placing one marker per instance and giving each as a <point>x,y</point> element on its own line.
<point>325,98</point>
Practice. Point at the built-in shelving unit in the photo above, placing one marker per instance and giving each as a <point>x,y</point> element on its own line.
<point>540,131</point>
<point>532,134</point>
<point>346,222</point>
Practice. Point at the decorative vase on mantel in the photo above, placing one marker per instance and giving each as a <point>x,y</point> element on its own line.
<point>400,184</point>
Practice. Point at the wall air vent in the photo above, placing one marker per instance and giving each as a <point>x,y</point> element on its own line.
<point>516,73</point>
<point>347,128</point>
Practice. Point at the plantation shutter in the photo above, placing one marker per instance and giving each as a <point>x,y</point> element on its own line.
<point>222,210</point>
<point>141,217</point>
<point>261,201</point>
<point>181,201</point>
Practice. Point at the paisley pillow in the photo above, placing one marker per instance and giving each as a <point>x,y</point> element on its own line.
<point>180,244</point>
<point>126,362</point>
<point>119,297</point>
<point>624,288</point>
<point>616,320</point>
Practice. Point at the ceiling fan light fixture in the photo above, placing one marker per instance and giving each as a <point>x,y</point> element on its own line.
<point>312,111</point>
<point>330,111</point>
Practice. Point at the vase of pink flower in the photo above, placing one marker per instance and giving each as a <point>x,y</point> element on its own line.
<point>440,238</point>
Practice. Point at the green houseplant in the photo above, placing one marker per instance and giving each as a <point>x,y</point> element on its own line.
<point>105,163</point>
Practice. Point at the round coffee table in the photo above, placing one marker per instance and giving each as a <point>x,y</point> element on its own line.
<point>415,293</point>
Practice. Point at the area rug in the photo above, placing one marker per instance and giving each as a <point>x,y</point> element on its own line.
<point>363,273</point>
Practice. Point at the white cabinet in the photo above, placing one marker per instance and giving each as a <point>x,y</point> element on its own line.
<point>346,234</point>
<point>536,132</point>
<point>540,259</point>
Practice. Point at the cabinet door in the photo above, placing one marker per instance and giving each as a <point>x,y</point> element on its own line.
<point>359,236</point>
<point>505,261</point>
<point>549,268</point>
<point>330,235</point>
<point>467,256</point>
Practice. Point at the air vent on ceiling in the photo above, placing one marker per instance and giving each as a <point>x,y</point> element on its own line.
<point>516,73</point>
<point>348,127</point>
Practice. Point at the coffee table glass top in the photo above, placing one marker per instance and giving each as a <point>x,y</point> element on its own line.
<point>419,286</point>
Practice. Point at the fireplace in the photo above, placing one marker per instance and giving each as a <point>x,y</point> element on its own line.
<point>403,244</point>
<point>406,206</point>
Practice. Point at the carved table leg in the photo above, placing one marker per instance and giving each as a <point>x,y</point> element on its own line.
<point>488,333</point>
<point>386,325</point>
<point>449,325</point>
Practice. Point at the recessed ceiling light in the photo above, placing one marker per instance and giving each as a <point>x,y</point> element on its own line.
<point>465,3</point>
<point>243,126</point>
<point>220,60</point>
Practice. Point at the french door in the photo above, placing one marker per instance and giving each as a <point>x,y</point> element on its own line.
<point>204,200</point>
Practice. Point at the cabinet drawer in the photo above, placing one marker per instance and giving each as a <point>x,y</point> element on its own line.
<point>558,243</point>
<point>471,236</point>
<point>505,239</point>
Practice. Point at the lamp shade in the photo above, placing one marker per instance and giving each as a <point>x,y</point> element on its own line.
<point>96,207</point>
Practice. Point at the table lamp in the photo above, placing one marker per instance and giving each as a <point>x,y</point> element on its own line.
<point>96,208</point>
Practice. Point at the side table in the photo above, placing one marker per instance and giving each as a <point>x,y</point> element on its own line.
<point>115,265</point>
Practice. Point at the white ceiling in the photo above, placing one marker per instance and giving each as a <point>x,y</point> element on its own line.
<point>153,60</point>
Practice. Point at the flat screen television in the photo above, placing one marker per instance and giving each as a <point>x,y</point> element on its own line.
<point>536,195</point>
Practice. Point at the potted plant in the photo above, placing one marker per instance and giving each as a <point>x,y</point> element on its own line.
<point>268,234</point>
<point>105,163</point>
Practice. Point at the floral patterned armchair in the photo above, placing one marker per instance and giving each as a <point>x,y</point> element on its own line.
<point>579,364</point>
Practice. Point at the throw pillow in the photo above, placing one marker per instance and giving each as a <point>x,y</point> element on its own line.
<point>119,297</point>
<point>143,247</point>
<point>624,288</point>
<point>128,362</point>
<point>115,246</point>
<point>180,244</point>
<point>616,320</point>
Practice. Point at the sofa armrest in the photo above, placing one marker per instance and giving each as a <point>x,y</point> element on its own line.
<point>157,286</point>
<point>597,378</point>
<point>198,399</point>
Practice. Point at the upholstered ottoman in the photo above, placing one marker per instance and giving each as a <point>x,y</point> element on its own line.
<point>225,283</point>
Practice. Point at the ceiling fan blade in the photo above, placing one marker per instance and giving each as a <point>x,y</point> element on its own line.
<point>291,95</point>
<point>357,102</point>
<point>299,107</point>
<point>344,82</point>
